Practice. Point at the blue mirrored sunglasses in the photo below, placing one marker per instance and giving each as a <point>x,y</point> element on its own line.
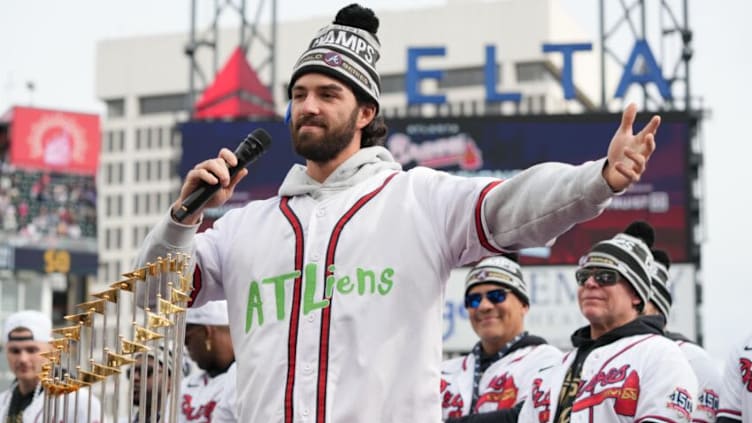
<point>603,277</point>
<point>495,296</point>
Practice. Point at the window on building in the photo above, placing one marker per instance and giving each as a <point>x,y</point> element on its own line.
<point>466,77</point>
<point>108,169</point>
<point>115,107</point>
<point>162,104</point>
<point>137,171</point>
<point>120,140</point>
<point>107,144</point>
<point>393,83</point>
<point>136,205</point>
<point>174,137</point>
<point>530,71</point>
<point>149,138</point>
<point>138,138</point>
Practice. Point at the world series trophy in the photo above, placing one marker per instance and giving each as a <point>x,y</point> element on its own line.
<point>137,325</point>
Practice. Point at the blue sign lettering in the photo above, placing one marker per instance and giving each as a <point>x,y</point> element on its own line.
<point>641,68</point>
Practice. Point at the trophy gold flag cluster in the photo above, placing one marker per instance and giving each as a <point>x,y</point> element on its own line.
<point>136,323</point>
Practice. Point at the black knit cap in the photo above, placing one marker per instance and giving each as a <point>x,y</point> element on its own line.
<point>628,253</point>
<point>347,50</point>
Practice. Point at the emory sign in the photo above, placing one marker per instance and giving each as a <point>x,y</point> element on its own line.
<point>640,68</point>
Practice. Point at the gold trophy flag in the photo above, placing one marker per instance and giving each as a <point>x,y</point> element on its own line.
<point>53,355</point>
<point>72,332</point>
<point>60,344</point>
<point>125,285</point>
<point>110,295</point>
<point>157,321</point>
<point>128,347</point>
<point>87,378</point>
<point>143,334</point>
<point>102,370</point>
<point>117,360</point>
<point>178,296</point>
<point>83,318</point>
<point>139,274</point>
<point>92,306</point>
<point>166,307</point>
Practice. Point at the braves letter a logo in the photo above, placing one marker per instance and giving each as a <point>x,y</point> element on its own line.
<point>745,366</point>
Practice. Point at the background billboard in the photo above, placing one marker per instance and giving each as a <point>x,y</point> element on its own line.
<point>54,140</point>
<point>500,146</point>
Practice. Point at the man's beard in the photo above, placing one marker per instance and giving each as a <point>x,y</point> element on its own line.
<point>325,147</point>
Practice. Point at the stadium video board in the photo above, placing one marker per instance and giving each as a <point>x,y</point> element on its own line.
<point>501,146</point>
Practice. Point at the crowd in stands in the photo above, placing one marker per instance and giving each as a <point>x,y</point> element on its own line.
<point>39,205</point>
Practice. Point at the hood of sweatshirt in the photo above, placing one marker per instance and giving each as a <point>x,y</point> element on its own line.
<point>359,167</point>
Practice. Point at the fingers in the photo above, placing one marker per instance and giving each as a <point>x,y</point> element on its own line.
<point>652,126</point>
<point>228,156</point>
<point>633,168</point>
<point>213,171</point>
<point>628,118</point>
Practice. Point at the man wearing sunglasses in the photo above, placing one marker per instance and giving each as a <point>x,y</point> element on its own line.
<point>499,371</point>
<point>622,369</point>
<point>708,378</point>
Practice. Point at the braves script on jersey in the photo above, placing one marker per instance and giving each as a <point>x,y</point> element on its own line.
<point>504,384</point>
<point>338,287</point>
<point>205,399</point>
<point>736,390</point>
<point>633,379</point>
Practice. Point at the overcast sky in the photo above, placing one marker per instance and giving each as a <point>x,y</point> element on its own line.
<point>51,44</point>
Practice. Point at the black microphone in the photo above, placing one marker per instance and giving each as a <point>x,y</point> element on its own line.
<point>255,144</point>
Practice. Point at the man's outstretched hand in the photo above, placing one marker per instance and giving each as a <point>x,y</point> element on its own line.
<point>628,152</point>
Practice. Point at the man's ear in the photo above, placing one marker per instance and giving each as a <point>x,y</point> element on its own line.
<point>366,114</point>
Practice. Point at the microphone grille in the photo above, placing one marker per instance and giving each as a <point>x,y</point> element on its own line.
<point>262,137</point>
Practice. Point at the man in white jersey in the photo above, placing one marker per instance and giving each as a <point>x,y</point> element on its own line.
<point>736,386</point>
<point>209,395</point>
<point>708,378</point>
<point>26,335</point>
<point>499,371</point>
<point>337,283</point>
<point>622,369</point>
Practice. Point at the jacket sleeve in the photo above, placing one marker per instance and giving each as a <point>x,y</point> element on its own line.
<point>534,207</point>
<point>170,237</point>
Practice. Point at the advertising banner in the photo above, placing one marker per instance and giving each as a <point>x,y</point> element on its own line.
<point>54,140</point>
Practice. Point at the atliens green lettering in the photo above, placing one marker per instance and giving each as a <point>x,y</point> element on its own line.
<point>364,281</point>
<point>309,284</point>
<point>279,290</point>
<point>254,304</point>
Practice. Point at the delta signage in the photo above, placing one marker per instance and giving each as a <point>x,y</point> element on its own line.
<point>641,68</point>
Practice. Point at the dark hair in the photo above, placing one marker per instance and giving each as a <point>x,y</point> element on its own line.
<point>375,132</point>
